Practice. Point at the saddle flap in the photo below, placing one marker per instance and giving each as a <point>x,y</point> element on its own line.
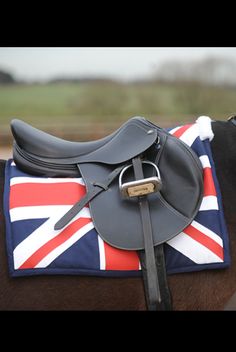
<point>117,219</point>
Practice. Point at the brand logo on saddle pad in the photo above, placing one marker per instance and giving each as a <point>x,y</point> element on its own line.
<point>32,206</point>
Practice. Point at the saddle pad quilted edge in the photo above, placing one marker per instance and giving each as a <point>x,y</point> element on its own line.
<point>32,205</point>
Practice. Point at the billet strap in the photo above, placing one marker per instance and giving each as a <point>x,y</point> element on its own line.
<point>151,276</point>
<point>98,187</point>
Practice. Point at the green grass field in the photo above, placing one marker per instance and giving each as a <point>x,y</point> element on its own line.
<point>106,102</point>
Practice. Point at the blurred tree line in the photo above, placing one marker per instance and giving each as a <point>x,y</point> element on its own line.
<point>6,78</point>
<point>211,71</point>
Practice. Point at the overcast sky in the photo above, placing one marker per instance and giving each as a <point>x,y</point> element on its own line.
<point>122,63</point>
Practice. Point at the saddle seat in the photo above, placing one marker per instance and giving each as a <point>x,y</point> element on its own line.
<point>132,138</point>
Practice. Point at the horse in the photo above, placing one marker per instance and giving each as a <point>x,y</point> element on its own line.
<point>203,290</point>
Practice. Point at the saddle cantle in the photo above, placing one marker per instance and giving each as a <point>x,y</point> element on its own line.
<point>158,193</point>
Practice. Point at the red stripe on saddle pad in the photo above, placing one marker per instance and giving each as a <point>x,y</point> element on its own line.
<point>33,194</point>
<point>119,259</point>
<point>209,186</point>
<point>181,130</point>
<point>63,236</point>
<point>204,240</point>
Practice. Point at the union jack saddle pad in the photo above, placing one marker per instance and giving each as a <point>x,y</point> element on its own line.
<point>32,206</point>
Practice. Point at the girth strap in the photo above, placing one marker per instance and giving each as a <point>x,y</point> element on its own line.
<point>152,258</point>
<point>77,207</point>
<point>153,290</point>
<point>166,300</point>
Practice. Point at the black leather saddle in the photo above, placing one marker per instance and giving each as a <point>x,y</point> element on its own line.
<point>144,186</point>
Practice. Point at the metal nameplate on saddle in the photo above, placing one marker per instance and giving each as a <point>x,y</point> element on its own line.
<point>133,208</point>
